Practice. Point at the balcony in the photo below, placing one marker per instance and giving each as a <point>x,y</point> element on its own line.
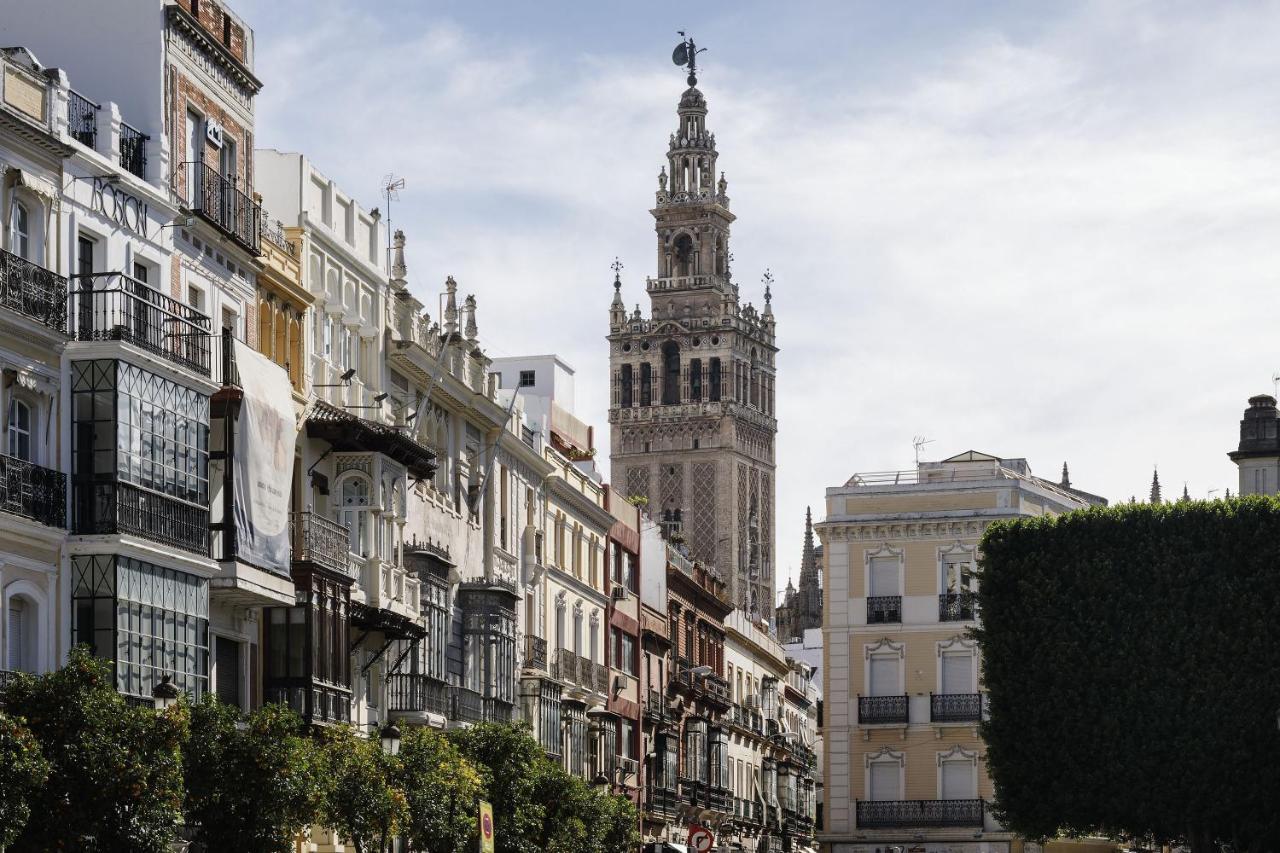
<point>33,492</point>
<point>498,711</point>
<point>409,693</point>
<point>906,814</point>
<point>535,653</point>
<point>957,607</point>
<point>577,670</point>
<point>322,542</point>
<point>116,307</point>
<point>882,710</point>
<point>120,507</point>
<point>82,119</point>
<point>956,707</point>
<point>468,706</point>
<point>133,150</point>
<point>217,200</point>
<point>662,801</point>
<point>884,608</point>
<point>316,703</point>
<point>33,291</point>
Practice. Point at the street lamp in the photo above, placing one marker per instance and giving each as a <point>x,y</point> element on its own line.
<point>165,694</point>
<point>390,735</point>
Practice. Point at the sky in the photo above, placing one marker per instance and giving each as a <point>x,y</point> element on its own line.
<point>1040,230</point>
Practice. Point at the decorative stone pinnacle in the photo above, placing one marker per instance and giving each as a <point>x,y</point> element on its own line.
<point>616,266</point>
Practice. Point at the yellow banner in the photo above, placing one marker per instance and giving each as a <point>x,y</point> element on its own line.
<point>486,827</point>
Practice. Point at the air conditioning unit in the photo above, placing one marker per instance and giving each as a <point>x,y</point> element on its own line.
<point>619,593</point>
<point>628,766</point>
<point>213,132</point>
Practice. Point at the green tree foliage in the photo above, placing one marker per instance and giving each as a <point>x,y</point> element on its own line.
<point>442,790</point>
<point>115,771</point>
<point>1132,659</point>
<point>362,801</point>
<point>23,770</point>
<point>537,806</point>
<point>252,784</point>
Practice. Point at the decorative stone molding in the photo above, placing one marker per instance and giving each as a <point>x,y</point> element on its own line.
<point>887,754</point>
<point>957,752</point>
<point>883,645</point>
<point>957,641</point>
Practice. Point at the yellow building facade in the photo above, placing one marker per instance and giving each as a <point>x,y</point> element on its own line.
<point>906,768</point>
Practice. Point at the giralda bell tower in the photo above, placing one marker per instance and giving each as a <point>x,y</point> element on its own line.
<point>692,414</point>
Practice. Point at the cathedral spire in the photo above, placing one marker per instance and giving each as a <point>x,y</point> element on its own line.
<point>1066,477</point>
<point>1155,487</point>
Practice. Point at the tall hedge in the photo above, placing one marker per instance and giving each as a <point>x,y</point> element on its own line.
<point>1132,660</point>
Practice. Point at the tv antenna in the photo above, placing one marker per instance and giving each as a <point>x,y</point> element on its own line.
<point>1275,384</point>
<point>918,442</point>
<point>391,186</point>
<point>686,55</point>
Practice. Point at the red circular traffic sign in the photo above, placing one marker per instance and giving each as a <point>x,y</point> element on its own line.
<point>701,839</point>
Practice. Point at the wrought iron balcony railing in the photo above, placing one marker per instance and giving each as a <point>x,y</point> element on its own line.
<point>498,711</point>
<point>884,608</point>
<point>535,653</point>
<point>956,707</point>
<point>33,291</point>
<point>318,540</point>
<point>82,119</point>
<point>133,150</point>
<point>882,710</point>
<point>468,706</point>
<point>957,606</point>
<point>896,814</point>
<point>119,507</point>
<point>33,492</point>
<point>116,307</point>
<point>419,693</point>
<point>217,199</point>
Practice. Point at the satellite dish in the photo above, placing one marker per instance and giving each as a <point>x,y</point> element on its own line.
<point>680,56</point>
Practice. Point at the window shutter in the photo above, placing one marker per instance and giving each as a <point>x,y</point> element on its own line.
<point>957,673</point>
<point>228,674</point>
<point>15,635</point>
<point>957,780</point>
<point>884,576</point>
<point>884,675</point>
<point>884,780</point>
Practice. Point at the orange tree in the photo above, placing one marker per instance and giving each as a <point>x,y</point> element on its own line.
<point>1132,661</point>
<point>23,771</point>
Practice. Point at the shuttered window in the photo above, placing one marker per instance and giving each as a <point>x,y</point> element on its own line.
<point>884,675</point>
<point>16,633</point>
<point>884,576</point>
<point>957,672</point>
<point>886,779</point>
<point>227,676</point>
<point>957,780</point>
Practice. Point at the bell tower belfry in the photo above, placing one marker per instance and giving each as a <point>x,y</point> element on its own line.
<point>692,409</point>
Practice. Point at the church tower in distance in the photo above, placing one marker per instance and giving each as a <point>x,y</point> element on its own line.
<point>692,416</point>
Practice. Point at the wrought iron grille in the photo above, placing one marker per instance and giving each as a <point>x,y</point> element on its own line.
<point>116,307</point>
<point>119,507</point>
<point>955,707</point>
<point>318,540</point>
<point>273,230</point>
<point>82,119</point>
<point>884,608</point>
<point>535,653</point>
<point>217,199</point>
<point>879,710</point>
<point>468,706</point>
<point>498,711</point>
<point>33,492</point>
<point>33,291</point>
<point>956,606</point>
<point>412,692</point>
<point>892,814</point>
<point>133,150</point>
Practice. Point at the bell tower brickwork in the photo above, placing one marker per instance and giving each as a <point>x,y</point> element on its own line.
<point>692,410</point>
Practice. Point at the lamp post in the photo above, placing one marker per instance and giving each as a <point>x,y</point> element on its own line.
<point>165,694</point>
<point>390,735</point>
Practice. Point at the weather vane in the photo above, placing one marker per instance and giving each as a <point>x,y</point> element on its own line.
<point>616,266</point>
<point>686,54</point>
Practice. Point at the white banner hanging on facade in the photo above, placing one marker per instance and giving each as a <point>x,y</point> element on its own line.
<point>263,463</point>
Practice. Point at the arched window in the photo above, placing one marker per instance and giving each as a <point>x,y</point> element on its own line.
<point>19,430</point>
<point>353,513</point>
<point>684,260</point>
<point>670,373</point>
<point>20,231</point>
<point>20,634</point>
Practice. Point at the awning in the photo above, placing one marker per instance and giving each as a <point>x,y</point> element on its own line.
<point>350,434</point>
<point>391,624</point>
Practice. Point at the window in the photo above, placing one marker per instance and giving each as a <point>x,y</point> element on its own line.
<point>151,621</point>
<point>624,652</point>
<point>19,430</point>
<point>140,272</point>
<point>627,395</point>
<point>226,29</point>
<point>884,780</point>
<point>20,231</point>
<point>627,739</point>
<point>884,576</point>
<point>230,320</point>
<point>714,381</point>
<point>195,297</point>
<point>718,758</point>
<point>956,779</point>
<point>21,634</point>
<point>353,514</point>
<point>226,671</point>
<point>670,373</point>
<point>695,380</point>
<point>883,675</point>
<point>957,574</point>
<point>85,246</point>
<point>957,672</point>
<point>527,379</point>
<point>646,385</point>
<point>695,750</point>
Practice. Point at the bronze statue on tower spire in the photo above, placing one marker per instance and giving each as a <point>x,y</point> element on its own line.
<point>686,54</point>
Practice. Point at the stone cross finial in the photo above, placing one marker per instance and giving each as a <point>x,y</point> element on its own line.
<point>469,307</point>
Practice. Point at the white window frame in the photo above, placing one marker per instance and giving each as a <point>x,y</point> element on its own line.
<point>13,431</point>
<point>959,645</point>
<point>885,551</point>
<point>885,648</point>
<point>958,754</point>
<point>16,232</point>
<point>885,755</point>
<point>952,554</point>
<point>39,630</point>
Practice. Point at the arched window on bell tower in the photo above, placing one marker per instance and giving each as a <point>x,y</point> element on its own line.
<point>684,256</point>
<point>670,373</point>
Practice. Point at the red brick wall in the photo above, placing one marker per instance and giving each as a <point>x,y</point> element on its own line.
<point>220,26</point>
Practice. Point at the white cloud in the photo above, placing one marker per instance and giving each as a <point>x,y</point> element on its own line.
<point>1058,245</point>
